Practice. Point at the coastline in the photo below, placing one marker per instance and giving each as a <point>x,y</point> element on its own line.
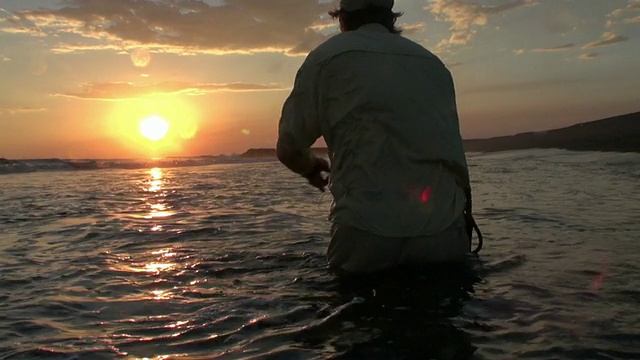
<point>616,134</point>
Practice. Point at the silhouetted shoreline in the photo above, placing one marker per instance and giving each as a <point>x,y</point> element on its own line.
<point>618,133</point>
<point>613,134</point>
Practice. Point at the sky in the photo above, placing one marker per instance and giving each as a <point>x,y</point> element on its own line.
<point>78,77</point>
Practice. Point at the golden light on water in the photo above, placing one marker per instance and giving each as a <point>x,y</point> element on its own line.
<point>156,173</point>
<point>165,253</point>
<point>177,324</point>
<point>155,184</point>
<point>159,214</point>
<point>154,128</point>
<point>154,267</point>
<point>161,295</point>
<point>157,209</point>
<point>159,262</point>
<point>157,267</point>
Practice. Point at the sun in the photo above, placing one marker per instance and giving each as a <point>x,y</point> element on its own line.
<point>154,127</point>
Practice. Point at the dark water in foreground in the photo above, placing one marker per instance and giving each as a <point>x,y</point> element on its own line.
<point>227,261</point>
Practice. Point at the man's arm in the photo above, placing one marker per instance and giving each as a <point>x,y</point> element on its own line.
<point>303,162</point>
<point>298,160</point>
<point>299,128</point>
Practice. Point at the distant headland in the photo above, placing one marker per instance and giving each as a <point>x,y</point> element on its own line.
<point>618,133</point>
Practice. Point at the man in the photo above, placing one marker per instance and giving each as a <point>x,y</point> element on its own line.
<point>386,109</point>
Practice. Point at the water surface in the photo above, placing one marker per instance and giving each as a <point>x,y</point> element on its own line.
<point>227,261</point>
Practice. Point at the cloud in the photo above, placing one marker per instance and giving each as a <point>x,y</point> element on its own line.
<point>588,56</point>
<point>608,38</point>
<point>122,90</point>
<point>192,26</point>
<point>546,49</point>
<point>4,58</point>
<point>554,48</point>
<point>413,28</point>
<point>627,14</point>
<point>19,110</point>
<point>466,16</point>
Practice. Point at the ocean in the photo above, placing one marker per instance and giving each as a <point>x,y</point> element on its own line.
<point>226,260</point>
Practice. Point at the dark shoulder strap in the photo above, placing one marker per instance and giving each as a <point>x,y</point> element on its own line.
<point>463,181</point>
<point>470,221</point>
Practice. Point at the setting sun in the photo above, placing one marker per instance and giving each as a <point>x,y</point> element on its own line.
<point>154,128</point>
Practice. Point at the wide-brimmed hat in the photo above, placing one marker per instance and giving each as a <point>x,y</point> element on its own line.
<point>353,5</point>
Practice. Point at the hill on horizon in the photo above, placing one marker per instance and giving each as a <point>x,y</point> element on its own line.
<point>617,133</point>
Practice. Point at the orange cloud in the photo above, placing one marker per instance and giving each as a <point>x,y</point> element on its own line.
<point>465,16</point>
<point>588,56</point>
<point>413,28</point>
<point>554,48</point>
<point>608,38</point>
<point>626,13</point>
<point>244,26</point>
<point>123,91</point>
<point>19,110</point>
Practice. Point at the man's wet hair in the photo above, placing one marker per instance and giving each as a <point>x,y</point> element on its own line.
<point>351,20</point>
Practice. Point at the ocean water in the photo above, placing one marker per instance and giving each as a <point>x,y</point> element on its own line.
<point>226,261</point>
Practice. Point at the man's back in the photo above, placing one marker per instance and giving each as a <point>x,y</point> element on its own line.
<point>386,107</point>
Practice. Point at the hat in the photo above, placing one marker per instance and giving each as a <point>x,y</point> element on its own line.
<point>353,5</point>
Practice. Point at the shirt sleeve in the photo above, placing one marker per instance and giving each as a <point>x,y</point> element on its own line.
<point>299,126</point>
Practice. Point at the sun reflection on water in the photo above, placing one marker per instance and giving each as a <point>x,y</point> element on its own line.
<point>177,324</point>
<point>156,268</point>
<point>154,214</point>
<point>159,207</point>
<point>158,210</point>
<point>155,185</point>
<point>156,173</point>
<point>158,264</point>
<point>165,253</point>
<point>161,295</point>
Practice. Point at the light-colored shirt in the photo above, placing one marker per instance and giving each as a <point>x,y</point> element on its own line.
<point>386,109</point>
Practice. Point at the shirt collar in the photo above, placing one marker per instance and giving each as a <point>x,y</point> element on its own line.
<point>373,27</point>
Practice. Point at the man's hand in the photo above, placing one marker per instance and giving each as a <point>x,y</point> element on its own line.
<point>315,176</point>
